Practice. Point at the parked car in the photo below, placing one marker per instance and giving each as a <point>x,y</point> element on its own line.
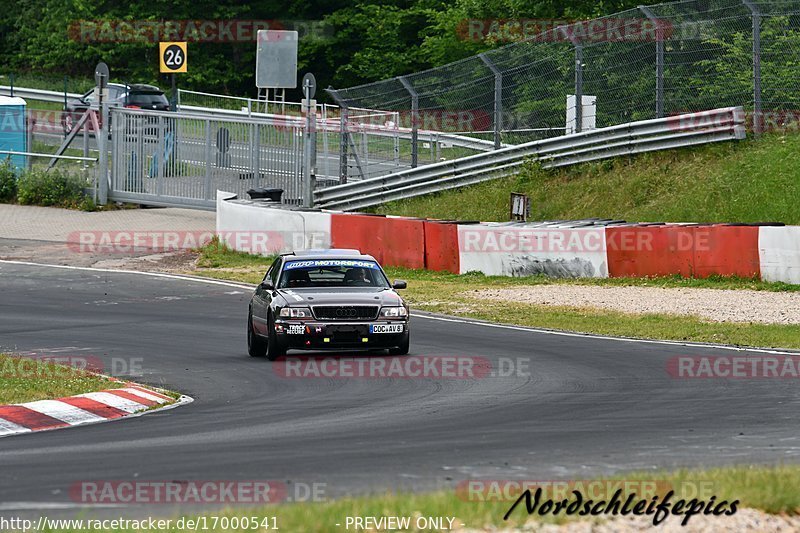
<point>134,96</point>
<point>326,300</point>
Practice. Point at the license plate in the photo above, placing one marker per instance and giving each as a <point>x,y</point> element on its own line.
<point>386,328</point>
<point>295,329</point>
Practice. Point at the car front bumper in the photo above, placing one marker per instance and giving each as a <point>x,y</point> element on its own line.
<point>316,335</point>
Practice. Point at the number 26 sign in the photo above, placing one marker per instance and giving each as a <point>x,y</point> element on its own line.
<point>172,57</point>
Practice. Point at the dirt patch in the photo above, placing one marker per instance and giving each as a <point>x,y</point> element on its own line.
<point>716,305</point>
<point>165,262</point>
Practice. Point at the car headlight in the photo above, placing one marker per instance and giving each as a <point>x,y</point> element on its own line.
<point>394,312</point>
<point>295,312</point>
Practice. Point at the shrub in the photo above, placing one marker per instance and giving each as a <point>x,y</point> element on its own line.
<point>8,182</point>
<point>53,188</point>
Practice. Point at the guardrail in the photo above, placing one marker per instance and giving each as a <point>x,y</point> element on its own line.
<point>624,139</point>
<point>37,94</point>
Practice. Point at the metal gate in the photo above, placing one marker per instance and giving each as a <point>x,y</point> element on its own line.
<point>175,159</point>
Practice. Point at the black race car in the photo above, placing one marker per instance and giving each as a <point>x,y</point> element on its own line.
<point>135,96</point>
<point>326,300</point>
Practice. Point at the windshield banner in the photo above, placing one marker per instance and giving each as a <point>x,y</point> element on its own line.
<point>331,263</point>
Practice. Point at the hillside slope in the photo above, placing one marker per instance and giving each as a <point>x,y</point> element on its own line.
<point>748,181</point>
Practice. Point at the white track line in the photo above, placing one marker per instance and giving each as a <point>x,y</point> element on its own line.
<point>604,337</point>
<point>429,317</point>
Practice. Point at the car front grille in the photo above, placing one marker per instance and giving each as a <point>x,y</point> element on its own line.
<point>346,312</point>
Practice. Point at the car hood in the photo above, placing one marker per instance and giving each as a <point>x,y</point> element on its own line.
<point>354,296</point>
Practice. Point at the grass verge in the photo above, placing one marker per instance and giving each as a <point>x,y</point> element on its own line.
<point>449,293</point>
<point>24,379</point>
<point>773,489</point>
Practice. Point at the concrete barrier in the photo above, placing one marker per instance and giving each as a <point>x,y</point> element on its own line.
<point>258,228</point>
<point>779,253</point>
<point>526,251</point>
<point>589,248</point>
<point>686,250</point>
<point>441,247</point>
<point>393,241</point>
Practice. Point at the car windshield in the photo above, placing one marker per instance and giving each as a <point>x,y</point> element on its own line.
<point>114,93</point>
<point>320,273</point>
<point>147,99</point>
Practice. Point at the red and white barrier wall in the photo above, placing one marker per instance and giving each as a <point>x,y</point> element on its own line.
<point>564,249</point>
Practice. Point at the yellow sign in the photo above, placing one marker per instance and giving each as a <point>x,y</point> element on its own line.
<point>172,57</point>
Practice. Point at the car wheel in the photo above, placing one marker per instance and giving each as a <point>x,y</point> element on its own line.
<point>256,346</point>
<point>403,348</point>
<point>274,350</point>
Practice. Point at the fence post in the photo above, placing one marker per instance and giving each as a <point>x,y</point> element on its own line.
<point>31,122</point>
<point>497,123</point>
<point>11,83</point>
<point>342,134</point>
<point>65,93</point>
<point>578,76</point>
<point>659,60</point>
<point>414,120</point>
<point>102,178</point>
<point>756,16</point>
<point>309,108</point>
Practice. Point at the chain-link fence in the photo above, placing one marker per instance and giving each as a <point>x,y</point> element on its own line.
<point>649,62</point>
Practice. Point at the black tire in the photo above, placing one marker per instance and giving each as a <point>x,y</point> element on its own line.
<point>403,348</point>
<point>256,346</point>
<point>274,350</point>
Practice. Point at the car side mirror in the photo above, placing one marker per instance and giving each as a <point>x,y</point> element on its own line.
<point>266,285</point>
<point>399,284</point>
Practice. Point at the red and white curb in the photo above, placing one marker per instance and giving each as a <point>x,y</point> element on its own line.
<point>89,408</point>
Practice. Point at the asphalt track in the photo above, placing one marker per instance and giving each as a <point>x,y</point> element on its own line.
<point>587,406</point>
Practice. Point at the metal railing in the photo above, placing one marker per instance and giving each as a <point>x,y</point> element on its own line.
<point>36,94</point>
<point>165,158</point>
<point>370,142</point>
<point>636,137</point>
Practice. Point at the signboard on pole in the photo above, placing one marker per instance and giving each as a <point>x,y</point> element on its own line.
<point>172,57</point>
<point>309,86</point>
<point>276,59</point>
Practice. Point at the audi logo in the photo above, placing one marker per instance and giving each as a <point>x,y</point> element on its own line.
<point>342,313</point>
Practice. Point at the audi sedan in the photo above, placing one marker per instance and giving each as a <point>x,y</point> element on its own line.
<point>326,300</point>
